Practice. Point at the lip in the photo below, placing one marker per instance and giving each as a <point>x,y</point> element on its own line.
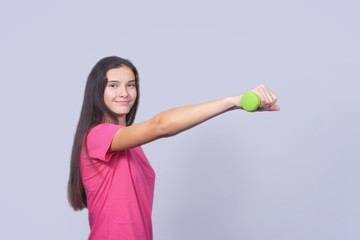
<point>123,102</point>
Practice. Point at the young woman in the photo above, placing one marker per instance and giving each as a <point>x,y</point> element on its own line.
<point>109,173</point>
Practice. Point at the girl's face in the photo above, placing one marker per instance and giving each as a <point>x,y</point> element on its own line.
<point>120,91</point>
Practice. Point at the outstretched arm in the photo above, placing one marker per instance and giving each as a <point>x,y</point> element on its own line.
<point>179,119</point>
<point>174,121</point>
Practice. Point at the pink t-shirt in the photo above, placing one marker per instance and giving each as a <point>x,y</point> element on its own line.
<point>120,196</point>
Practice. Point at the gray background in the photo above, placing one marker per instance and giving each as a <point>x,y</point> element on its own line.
<point>292,174</point>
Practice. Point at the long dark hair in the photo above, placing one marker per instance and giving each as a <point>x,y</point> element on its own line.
<point>93,112</point>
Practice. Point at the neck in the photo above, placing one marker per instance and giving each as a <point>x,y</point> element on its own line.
<point>121,119</point>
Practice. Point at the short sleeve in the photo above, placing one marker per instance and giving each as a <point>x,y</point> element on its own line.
<point>99,140</point>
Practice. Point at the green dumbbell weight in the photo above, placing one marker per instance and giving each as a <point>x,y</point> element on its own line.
<point>250,101</point>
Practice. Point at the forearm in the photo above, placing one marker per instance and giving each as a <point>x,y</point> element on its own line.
<point>176,120</point>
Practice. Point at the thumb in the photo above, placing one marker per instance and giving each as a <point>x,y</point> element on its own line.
<point>273,108</point>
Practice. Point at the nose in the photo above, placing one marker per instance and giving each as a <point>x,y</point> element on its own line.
<point>123,92</point>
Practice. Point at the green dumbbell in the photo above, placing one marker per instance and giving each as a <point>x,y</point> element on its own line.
<point>250,101</point>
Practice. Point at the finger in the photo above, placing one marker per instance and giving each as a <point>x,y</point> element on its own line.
<point>268,100</point>
<point>259,93</point>
<point>262,96</point>
<point>272,96</point>
<point>273,108</point>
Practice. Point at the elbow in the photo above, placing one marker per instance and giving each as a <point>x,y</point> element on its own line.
<point>161,127</point>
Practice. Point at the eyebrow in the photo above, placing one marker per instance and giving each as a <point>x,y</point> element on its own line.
<point>119,81</point>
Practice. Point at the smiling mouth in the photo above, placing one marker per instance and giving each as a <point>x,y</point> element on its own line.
<point>123,102</point>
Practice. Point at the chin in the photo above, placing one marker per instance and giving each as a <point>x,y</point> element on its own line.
<point>120,113</point>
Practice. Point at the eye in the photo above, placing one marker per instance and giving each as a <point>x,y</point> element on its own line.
<point>112,85</point>
<point>132,85</point>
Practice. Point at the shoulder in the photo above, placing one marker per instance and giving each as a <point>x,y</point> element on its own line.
<point>103,126</point>
<point>99,139</point>
<point>104,129</point>
<point>102,133</point>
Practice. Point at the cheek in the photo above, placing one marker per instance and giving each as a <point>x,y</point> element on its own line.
<point>107,96</point>
<point>133,94</point>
